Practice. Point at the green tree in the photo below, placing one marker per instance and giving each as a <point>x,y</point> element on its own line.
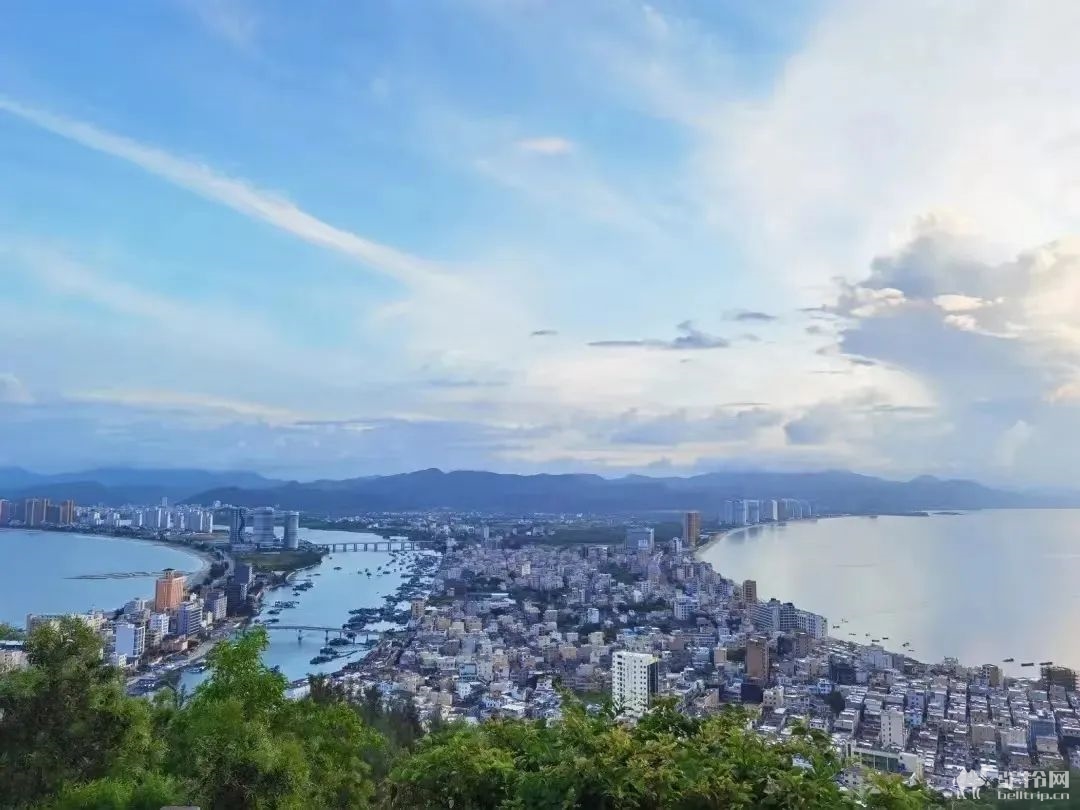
<point>66,719</point>
<point>239,743</point>
<point>9,632</point>
<point>668,760</point>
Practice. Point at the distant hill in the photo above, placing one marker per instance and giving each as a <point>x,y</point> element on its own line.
<point>115,486</point>
<point>833,491</point>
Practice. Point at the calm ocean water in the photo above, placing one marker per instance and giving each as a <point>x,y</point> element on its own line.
<point>38,566</point>
<point>980,586</point>
<point>37,571</point>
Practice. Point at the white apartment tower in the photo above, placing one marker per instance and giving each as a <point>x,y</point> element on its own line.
<point>635,678</point>
<point>892,729</point>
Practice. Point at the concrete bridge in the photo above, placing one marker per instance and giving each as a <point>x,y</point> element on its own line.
<point>375,545</point>
<point>366,635</point>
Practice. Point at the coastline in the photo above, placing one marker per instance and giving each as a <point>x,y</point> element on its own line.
<point>930,647</point>
<point>206,559</point>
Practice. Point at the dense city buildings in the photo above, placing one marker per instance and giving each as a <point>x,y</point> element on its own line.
<point>507,614</point>
<point>751,511</point>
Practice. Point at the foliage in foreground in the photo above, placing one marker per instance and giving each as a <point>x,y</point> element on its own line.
<point>70,738</point>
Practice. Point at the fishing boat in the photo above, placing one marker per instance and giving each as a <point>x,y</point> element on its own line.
<point>1028,664</point>
<point>1045,663</point>
<point>1007,660</point>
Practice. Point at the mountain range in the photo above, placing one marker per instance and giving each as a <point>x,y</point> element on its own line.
<point>115,486</point>
<point>464,490</point>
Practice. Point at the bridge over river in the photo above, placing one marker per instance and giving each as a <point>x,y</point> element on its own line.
<point>366,635</point>
<point>394,544</point>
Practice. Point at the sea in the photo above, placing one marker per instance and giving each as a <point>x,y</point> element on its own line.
<point>43,572</point>
<point>977,586</point>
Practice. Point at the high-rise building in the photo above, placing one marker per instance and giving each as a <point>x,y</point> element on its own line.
<point>749,590</point>
<point>236,593</point>
<point>236,525</point>
<point>739,513</point>
<point>244,572</point>
<point>169,590</point>
<point>757,659</point>
<point>130,639</point>
<point>770,511</point>
<point>691,528</point>
<point>1059,676</point>
<point>292,530</point>
<point>158,626</point>
<point>640,538</point>
<point>52,513</point>
<point>262,524</point>
<point>67,512</point>
<point>416,608</point>
<point>34,511</point>
<point>7,512</point>
<point>892,729</point>
<point>812,624</point>
<point>635,679</point>
<point>753,512</point>
<point>217,604</point>
<point>189,617</point>
<point>727,513</point>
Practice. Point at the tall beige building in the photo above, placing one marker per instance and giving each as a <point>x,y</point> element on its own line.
<point>757,659</point>
<point>691,528</point>
<point>749,590</point>
<point>169,591</point>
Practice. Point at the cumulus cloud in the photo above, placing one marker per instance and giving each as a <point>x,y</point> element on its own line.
<point>691,338</point>
<point>543,333</point>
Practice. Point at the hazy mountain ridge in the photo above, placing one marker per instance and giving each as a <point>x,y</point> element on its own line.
<point>115,486</point>
<point>834,490</point>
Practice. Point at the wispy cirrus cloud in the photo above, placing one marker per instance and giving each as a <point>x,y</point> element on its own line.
<point>744,315</point>
<point>691,338</point>
<point>235,193</point>
<point>230,20</point>
<point>550,146</point>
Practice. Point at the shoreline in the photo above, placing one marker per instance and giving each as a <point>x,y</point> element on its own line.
<point>206,558</point>
<point>1010,670</point>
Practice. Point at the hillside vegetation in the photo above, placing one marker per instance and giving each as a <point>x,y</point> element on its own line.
<point>70,738</point>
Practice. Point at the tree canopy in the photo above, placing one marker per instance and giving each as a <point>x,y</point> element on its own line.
<point>71,739</point>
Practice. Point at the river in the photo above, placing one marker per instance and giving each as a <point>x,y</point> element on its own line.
<point>979,586</point>
<point>41,570</point>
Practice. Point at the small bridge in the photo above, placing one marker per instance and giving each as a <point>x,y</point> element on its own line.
<point>367,635</point>
<point>375,545</point>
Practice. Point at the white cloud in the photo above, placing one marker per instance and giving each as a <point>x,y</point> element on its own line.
<point>547,146</point>
<point>190,401</point>
<point>231,20</point>
<point>232,192</point>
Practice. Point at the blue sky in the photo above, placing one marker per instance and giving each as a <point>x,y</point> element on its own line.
<point>354,238</point>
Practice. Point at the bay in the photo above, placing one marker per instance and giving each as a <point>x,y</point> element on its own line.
<point>978,586</point>
<point>38,571</point>
<point>40,574</point>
